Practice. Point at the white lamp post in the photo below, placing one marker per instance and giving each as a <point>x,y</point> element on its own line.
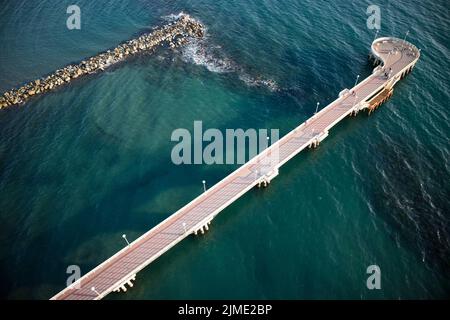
<point>356,82</point>
<point>404,40</point>
<point>125,237</point>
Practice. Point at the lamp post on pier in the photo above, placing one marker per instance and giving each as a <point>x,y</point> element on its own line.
<point>317,107</point>
<point>125,238</point>
<point>404,39</point>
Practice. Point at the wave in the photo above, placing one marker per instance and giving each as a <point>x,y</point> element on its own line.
<point>175,16</point>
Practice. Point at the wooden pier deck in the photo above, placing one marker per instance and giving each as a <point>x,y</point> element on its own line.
<point>397,58</point>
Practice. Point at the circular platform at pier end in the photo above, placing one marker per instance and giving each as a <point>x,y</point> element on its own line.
<point>395,53</point>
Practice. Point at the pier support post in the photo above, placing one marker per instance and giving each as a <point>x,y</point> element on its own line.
<point>203,228</point>
<point>123,286</point>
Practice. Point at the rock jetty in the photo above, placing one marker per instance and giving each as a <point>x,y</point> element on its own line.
<point>174,34</point>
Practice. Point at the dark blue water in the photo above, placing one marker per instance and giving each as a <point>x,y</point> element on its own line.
<point>83,165</point>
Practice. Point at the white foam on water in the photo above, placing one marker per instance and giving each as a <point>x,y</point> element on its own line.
<point>270,84</point>
<point>197,52</point>
<point>200,52</point>
<point>175,16</point>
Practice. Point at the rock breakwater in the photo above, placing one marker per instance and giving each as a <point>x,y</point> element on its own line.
<point>174,34</point>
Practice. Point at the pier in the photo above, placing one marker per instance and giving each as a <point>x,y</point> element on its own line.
<point>393,59</point>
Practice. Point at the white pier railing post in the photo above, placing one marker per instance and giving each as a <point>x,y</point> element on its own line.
<point>356,82</point>
<point>93,289</point>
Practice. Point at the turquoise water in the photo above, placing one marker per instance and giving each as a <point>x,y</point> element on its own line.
<point>83,165</point>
